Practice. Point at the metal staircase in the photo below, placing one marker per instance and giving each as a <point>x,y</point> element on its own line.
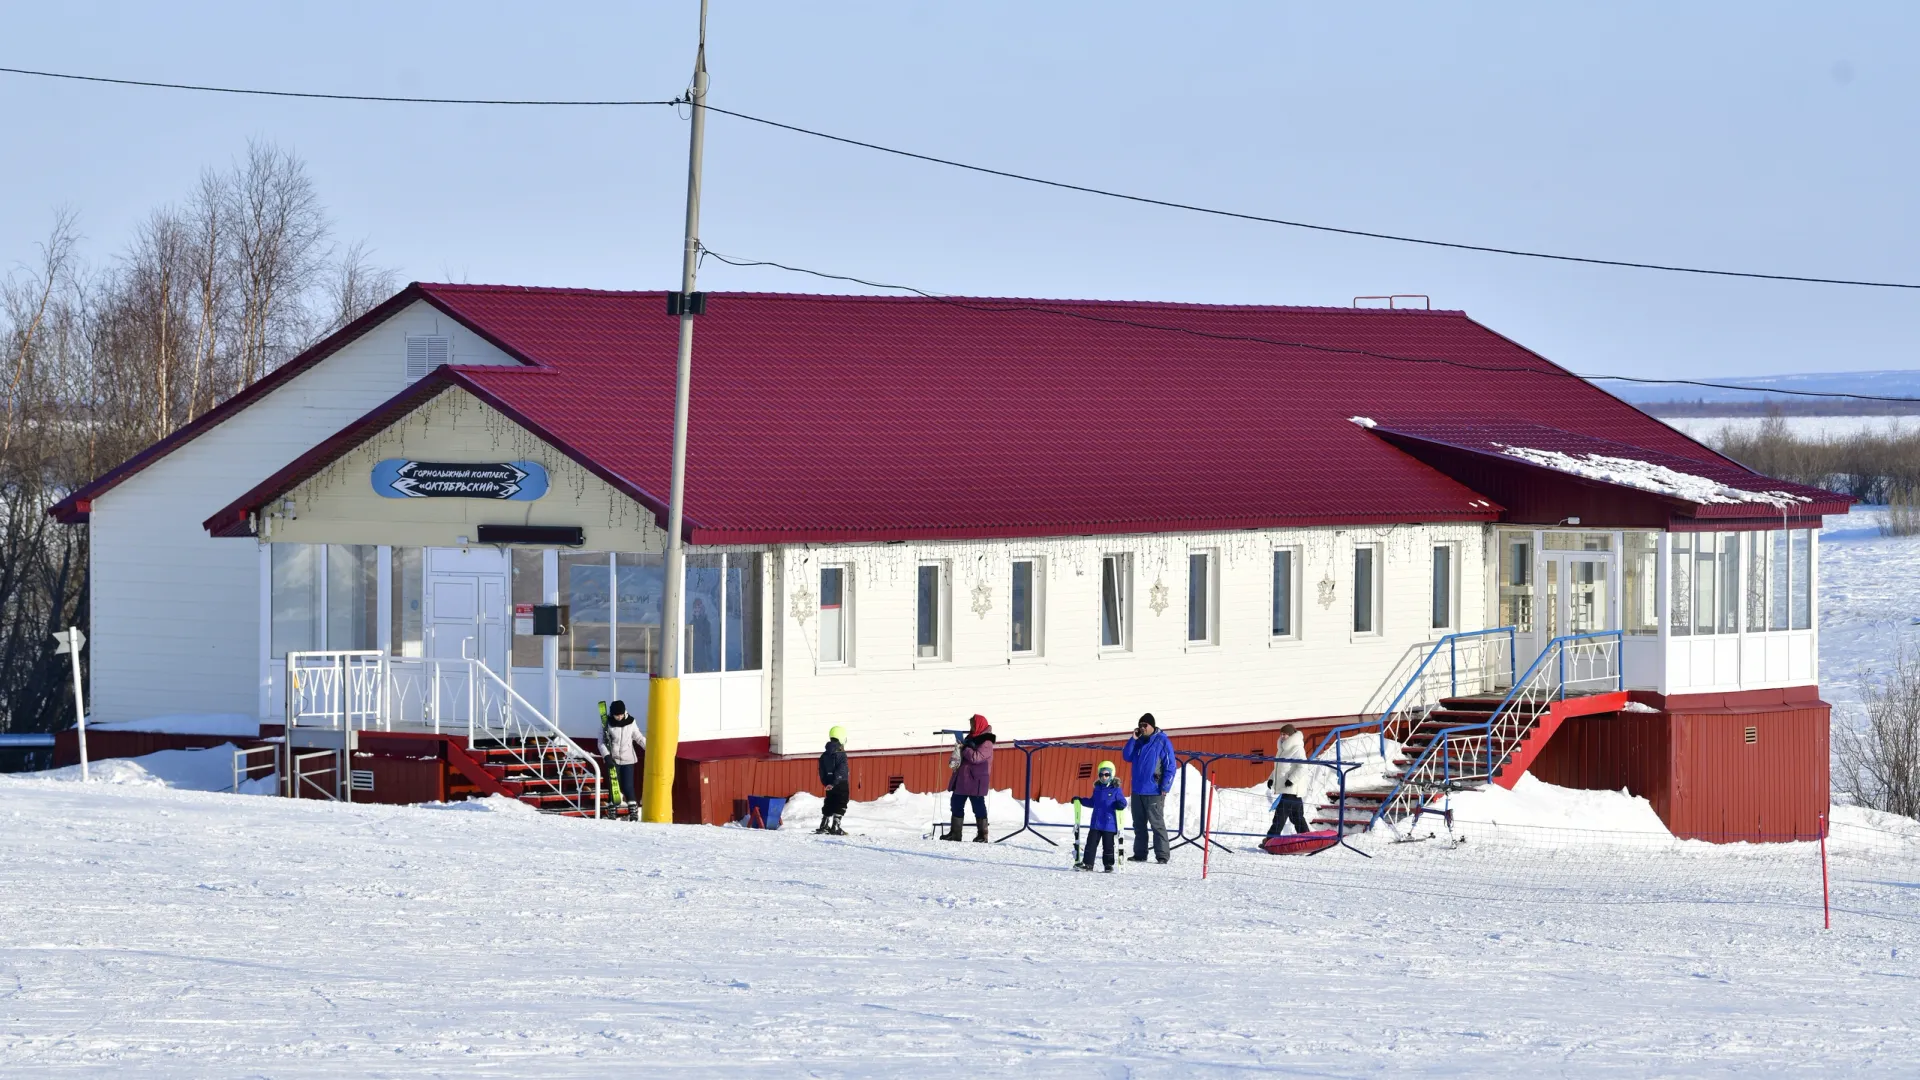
<point>492,738</point>
<point>1453,727</point>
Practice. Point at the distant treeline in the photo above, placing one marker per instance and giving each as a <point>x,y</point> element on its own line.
<point>1780,407</point>
<point>1873,467</point>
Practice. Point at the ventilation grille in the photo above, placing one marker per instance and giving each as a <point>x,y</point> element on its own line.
<point>1086,769</point>
<point>895,783</point>
<point>426,353</point>
<point>1753,735</point>
<point>362,779</point>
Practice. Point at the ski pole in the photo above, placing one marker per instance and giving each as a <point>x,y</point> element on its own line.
<point>1076,830</point>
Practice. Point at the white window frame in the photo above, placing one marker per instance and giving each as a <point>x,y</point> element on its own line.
<point>846,617</point>
<point>1378,565</point>
<point>1452,548</point>
<point>1292,551</point>
<point>1211,588</point>
<point>1123,581</point>
<point>1037,597</point>
<point>942,616</point>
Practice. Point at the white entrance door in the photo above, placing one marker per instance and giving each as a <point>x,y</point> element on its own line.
<point>1575,596</point>
<point>466,617</point>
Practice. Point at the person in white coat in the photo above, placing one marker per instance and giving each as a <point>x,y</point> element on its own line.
<point>1289,782</point>
<point>622,742</point>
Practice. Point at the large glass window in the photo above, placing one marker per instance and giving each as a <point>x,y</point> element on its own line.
<point>1516,583</point>
<point>1680,617</point>
<point>1116,601</point>
<point>1640,562</point>
<point>639,583</point>
<point>1366,589</point>
<point>407,574</point>
<point>586,594</point>
<point>1025,638</point>
<point>706,579</point>
<point>742,641</point>
<point>1729,582</point>
<point>1782,592</point>
<point>295,572</point>
<point>836,610</point>
<point>930,612</point>
<point>529,591</point>
<point>1706,583</point>
<point>1285,615</point>
<point>1802,579</point>
<point>1759,551</point>
<point>353,596</point>
<point>1443,587</point>
<point>1200,593</point>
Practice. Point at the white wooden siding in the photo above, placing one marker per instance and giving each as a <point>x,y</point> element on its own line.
<point>886,699</point>
<point>175,614</point>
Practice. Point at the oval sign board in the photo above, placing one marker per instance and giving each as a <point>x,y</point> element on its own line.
<point>521,481</point>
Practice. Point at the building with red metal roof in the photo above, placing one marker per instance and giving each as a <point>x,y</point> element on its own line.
<point>1057,513</point>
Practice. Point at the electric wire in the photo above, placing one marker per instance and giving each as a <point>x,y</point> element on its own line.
<point>1008,174</point>
<point>326,97</point>
<point>997,307</point>
<point>1340,230</point>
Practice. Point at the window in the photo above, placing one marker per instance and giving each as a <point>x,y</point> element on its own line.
<point>1706,583</point>
<point>1802,574</point>
<point>1640,565</point>
<point>1729,544</point>
<point>1366,589</point>
<point>529,589</point>
<point>930,612</point>
<point>1116,602</point>
<point>353,596</point>
<point>1516,583</point>
<point>742,633</point>
<point>1027,579</point>
<point>1782,590</point>
<point>1443,587</point>
<point>1680,614</point>
<point>424,353</point>
<point>1285,590</point>
<point>1759,551</point>
<point>407,572</point>
<point>1201,591</point>
<point>586,590</point>
<point>706,584</point>
<point>295,603</point>
<point>836,620</point>
<point>640,594</point>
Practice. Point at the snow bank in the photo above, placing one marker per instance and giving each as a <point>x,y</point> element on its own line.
<point>210,769</point>
<point>231,725</point>
<point>492,804</point>
<point>1647,476</point>
<point>1536,804</point>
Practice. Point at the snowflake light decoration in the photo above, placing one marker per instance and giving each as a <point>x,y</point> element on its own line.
<point>982,599</point>
<point>1157,597</point>
<point>801,605</point>
<point>1326,592</point>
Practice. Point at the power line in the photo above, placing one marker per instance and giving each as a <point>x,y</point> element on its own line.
<point>1063,185</point>
<point>323,97</point>
<point>1009,306</point>
<point>1339,230</point>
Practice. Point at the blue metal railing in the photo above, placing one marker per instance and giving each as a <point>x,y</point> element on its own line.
<point>1555,653</point>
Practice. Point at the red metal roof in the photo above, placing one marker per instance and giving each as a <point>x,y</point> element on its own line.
<point>824,418</point>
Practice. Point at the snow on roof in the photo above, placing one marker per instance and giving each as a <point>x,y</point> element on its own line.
<point>1646,476</point>
<point>1363,421</point>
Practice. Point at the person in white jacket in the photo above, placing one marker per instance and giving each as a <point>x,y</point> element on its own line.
<point>622,741</point>
<point>1289,782</point>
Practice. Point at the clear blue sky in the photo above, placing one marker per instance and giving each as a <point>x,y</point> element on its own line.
<point>1763,136</point>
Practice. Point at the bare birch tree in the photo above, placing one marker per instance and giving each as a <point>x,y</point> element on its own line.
<point>279,244</point>
<point>1879,765</point>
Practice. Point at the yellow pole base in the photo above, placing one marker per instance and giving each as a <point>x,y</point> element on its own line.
<point>663,742</point>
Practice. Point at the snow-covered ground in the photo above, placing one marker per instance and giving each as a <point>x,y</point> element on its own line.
<point>157,932</point>
<point>1869,601</point>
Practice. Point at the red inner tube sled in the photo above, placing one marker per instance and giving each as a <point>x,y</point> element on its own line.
<point>1300,843</point>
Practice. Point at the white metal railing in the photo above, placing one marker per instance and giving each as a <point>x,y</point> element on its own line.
<point>244,766</point>
<point>356,690</point>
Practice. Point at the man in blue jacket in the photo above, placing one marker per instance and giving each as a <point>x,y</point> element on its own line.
<point>1154,767</point>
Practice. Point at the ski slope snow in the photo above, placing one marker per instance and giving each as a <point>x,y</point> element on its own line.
<point>157,932</point>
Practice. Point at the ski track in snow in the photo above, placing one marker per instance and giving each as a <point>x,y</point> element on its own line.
<point>158,932</point>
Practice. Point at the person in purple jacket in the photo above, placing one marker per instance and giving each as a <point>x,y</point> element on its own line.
<point>972,778</point>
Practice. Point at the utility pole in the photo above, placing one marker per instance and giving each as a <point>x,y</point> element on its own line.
<point>663,693</point>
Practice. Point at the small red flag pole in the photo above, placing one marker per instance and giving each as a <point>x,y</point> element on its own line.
<point>1826,902</point>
